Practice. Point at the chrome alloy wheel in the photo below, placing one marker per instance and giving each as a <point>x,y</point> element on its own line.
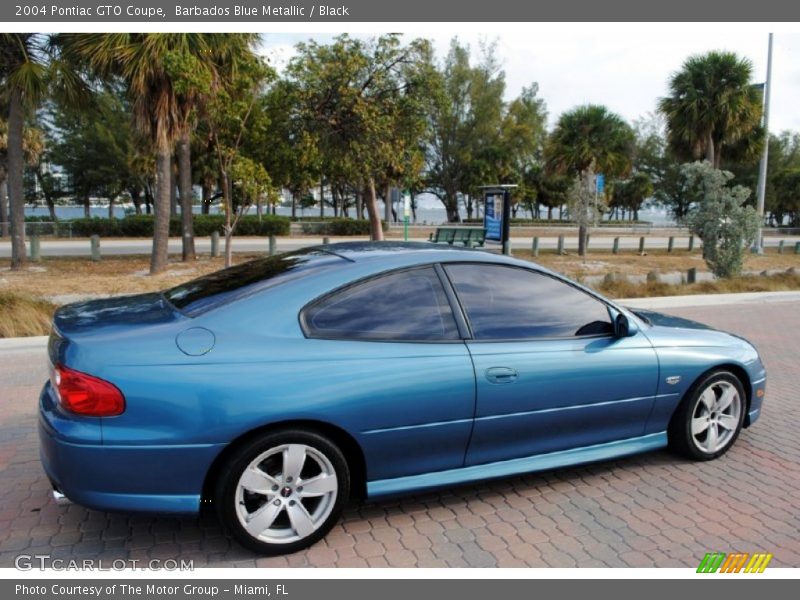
<point>286,494</point>
<point>716,416</point>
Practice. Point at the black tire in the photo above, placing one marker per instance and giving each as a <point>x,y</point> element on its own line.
<point>700,445</point>
<point>236,505</point>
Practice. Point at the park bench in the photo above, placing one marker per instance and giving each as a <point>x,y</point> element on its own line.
<point>471,237</point>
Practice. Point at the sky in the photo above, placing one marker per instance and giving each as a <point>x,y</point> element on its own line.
<point>626,67</point>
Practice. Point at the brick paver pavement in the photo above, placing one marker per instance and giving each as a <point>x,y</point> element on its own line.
<point>649,510</point>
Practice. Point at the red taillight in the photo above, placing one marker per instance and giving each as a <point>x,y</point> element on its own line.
<point>83,394</point>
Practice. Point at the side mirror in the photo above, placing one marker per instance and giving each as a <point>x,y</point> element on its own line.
<point>623,326</point>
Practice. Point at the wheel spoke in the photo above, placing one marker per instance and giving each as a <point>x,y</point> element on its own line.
<point>263,518</point>
<point>708,399</point>
<point>294,457</point>
<point>318,486</point>
<point>257,481</point>
<point>711,439</point>
<point>699,425</point>
<point>300,519</point>
<point>728,422</point>
<point>727,397</point>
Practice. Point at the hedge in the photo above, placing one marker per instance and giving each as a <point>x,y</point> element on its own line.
<point>204,225</point>
<point>517,221</point>
<point>340,226</point>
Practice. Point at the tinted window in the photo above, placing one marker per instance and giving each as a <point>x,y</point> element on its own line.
<point>405,305</point>
<point>203,293</point>
<point>511,303</point>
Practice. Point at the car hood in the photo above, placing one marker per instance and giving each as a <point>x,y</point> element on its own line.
<point>661,320</point>
<point>670,331</point>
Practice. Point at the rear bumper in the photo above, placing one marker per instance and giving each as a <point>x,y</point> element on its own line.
<point>132,478</point>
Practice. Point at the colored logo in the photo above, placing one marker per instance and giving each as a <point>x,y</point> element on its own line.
<point>719,562</point>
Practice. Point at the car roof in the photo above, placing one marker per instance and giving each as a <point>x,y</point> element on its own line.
<point>410,252</point>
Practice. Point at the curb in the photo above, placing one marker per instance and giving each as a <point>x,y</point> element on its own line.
<point>710,300</point>
<point>23,343</point>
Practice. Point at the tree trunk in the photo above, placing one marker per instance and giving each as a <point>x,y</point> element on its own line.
<point>375,229</point>
<point>387,205</point>
<point>185,184</point>
<point>110,208</point>
<point>582,232</point>
<point>359,205</point>
<point>321,198</point>
<point>160,255</point>
<point>294,206</point>
<point>51,208</point>
<point>136,199</point>
<point>173,188</point>
<point>228,203</point>
<point>205,202</point>
<point>549,213</point>
<point>3,207</point>
<point>710,151</point>
<point>87,207</point>
<point>469,207</point>
<point>15,186</point>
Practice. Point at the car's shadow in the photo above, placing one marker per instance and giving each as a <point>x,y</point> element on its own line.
<point>76,533</point>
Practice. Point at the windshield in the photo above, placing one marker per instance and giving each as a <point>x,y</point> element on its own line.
<point>218,288</point>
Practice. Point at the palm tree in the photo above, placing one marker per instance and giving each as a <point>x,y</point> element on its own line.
<point>23,83</point>
<point>163,100</point>
<point>712,105</point>
<point>590,137</point>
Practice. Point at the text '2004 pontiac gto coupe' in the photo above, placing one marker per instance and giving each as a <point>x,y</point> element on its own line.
<point>277,389</point>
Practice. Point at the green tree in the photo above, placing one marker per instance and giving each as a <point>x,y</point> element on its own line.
<point>233,114</point>
<point>720,217</point>
<point>590,137</point>
<point>362,103</point>
<point>27,75</point>
<point>160,105</point>
<point>93,144</point>
<point>465,124</point>
<point>713,108</point>
<point>629,194</point>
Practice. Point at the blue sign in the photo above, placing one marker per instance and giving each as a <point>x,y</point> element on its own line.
<point>600,180</point>
<point>493,216</point>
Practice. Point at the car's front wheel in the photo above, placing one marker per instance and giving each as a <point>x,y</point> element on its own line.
<point>710,417</point>
<point>284,491</point>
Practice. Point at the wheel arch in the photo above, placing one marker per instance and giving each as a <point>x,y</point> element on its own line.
<point>346,443</point>
<point>737,371</point>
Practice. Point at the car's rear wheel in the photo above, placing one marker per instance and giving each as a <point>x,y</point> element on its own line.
<point>284,491</point>
<point>710,417</point>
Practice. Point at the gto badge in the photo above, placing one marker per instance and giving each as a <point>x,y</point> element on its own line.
<point>673,379</point>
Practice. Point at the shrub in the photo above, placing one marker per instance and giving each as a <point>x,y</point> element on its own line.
<point>340,227</point>
<point>720,217</point>
<point>22,315</point>
<point>204,225</point>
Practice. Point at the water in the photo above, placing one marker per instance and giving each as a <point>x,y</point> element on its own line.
<point>429,212</point>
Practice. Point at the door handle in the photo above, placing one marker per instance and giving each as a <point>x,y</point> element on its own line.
<point>501,375</point>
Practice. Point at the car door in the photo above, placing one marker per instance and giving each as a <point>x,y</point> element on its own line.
<point>396,371</point>
<point>550,374</point>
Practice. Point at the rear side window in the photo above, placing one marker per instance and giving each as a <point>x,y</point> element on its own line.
<point>221,287</point>
<point>509,303</point>
<point>407,305</point>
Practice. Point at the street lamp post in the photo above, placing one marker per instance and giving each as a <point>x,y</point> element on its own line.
<point>758,245</point>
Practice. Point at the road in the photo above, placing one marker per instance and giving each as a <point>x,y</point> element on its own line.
<point>643,511</point>
<point>131,246</point>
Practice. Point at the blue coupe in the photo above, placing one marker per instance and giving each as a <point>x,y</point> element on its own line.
<point>277,389</point>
